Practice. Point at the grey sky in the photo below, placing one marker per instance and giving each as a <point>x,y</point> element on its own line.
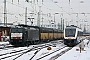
<point>63,7</point>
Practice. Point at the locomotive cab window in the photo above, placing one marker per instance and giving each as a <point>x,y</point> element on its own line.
<point>70,32</point>
<point>16,30</point>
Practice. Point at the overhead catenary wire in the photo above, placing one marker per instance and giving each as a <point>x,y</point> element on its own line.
<point>60,7</point>
<point>18,5</point>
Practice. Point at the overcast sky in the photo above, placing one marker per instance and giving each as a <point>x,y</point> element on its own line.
<point>70,10</point>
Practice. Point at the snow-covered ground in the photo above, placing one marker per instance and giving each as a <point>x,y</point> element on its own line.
<point>73,54</point>
<point>76,55</point>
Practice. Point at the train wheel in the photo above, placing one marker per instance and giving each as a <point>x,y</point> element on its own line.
<point>23,44</point>
<point>31,42</point>
<point>37,42</point>
<point>48,40</point>
<point>27,45</point>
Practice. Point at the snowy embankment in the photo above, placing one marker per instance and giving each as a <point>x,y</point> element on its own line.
<point>75,54</point>
<point>72,54</point>
<point>3,43</point>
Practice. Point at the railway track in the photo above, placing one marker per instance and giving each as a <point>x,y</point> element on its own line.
<point>38,48</point>
<point>50,53</point>
<point>18,53</point>
<point>57,55</point>
<point>60,54</point>
<point>53,44</point>
<point>6,47</point>
<point>3,45</point>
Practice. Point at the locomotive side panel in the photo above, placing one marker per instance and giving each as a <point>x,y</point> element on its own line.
<point>33,35</point>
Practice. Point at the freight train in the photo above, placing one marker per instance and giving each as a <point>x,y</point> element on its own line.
<point>72,35</point>
<point>22,35</point>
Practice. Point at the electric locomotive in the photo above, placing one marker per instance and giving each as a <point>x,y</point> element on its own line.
<point>72,35</point>
<point>22,35</point>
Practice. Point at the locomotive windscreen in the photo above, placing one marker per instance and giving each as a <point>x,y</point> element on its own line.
<point>14,30</point>
<point>70,32</point>
<point>16,33</point>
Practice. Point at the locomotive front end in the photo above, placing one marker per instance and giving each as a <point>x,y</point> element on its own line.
<point>70,36</point>
<point>16,36</point>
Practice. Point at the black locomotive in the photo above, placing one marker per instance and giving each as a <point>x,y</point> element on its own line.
<point>22,35</point>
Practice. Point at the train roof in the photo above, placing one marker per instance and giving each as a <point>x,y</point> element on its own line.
<point>4,26</point>
<point>41,28</point>
<point>72,26</point>
<point>22,25</point>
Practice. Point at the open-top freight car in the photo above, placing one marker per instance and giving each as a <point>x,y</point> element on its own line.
<point>22,35</point>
